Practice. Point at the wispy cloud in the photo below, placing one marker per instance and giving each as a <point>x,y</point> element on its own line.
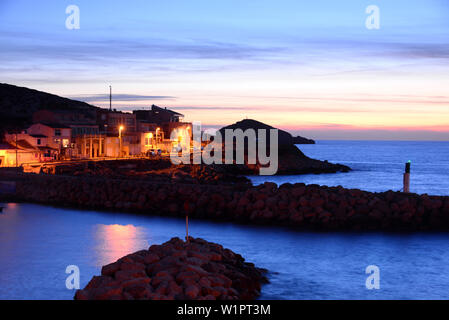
<point>119,97</point>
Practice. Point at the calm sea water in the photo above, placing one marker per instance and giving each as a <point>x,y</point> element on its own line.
<point>39,242</point>
<point>378,165</point>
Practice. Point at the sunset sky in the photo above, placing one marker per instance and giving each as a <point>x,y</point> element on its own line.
<point>311,67</point>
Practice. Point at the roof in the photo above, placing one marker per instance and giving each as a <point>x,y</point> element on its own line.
<point>7,146</point>
<point>156,108</point>
<point>55,125</point>
<point>23,144</point>
<point>46,148</point>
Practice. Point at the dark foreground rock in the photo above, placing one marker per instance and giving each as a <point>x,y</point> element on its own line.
<point>198,270</point>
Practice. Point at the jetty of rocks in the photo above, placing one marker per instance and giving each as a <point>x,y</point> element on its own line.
<point>294,205</point>
<point>177,270</point>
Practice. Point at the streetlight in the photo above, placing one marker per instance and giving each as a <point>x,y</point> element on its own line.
<point>157,134</point>
<point>150,139</point>
<point>120,139</point>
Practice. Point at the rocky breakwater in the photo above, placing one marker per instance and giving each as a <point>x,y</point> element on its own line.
<point>159,169</point>
<point>176,270</point>
<point>296,205</point>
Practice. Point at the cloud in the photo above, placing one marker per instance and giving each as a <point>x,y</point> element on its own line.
<point>119,97</point>
<point>210,108</point>
<point>52,46</point>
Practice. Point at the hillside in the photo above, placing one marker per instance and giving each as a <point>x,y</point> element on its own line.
<point>17,105</point>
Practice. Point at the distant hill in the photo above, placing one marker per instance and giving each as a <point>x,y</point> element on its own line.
<point>302,140</point>
<point>17,105</point>
<point>291,159</point>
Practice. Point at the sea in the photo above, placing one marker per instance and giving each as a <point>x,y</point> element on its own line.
<point>377,166</point>
<point>40,244</point>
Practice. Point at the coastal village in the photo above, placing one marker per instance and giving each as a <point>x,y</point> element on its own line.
<point>61,135</point>
<point>70,148</point>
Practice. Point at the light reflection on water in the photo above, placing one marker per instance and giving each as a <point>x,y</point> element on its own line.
<point>115,241</point>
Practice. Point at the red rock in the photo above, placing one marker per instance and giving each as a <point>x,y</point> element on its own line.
<point>196,269</point>
<point>165,277</point>
<point>138,291</point>
<point>127,296</point>
<point>303,202</point>
<point>136,282</point>
<point>98,281</point>
<point>195,261</point>
<point>188,282</point>
<point>150,258</point>
<point>82,295</point>
<point>258,205</point>
<point>218,291</point>
<point>163,288</point>
<point>243,202</point>
<point>226,281</point>
<point>132,266</point>
<point>106,293</point>
<point>192,292</point>
<point>186,275</point>
<point>198,255</point>
<point>298,191</point>
<point>216,281</point>
<point>174,288</point>
<point>110,269</point>
<point>123,275</point>
<point>180,253</point>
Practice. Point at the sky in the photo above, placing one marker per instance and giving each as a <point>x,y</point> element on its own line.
<point>310,67</point>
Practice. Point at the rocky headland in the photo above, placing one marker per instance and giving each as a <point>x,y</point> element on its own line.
<point>177,270</point>
<point>291,159</point>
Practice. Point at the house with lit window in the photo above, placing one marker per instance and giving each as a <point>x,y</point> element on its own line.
<point>20,152</point>
<point>54,140</point>
<point>166,122</point>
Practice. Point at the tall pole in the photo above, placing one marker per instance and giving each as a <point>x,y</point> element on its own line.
<point>120,140</point>
<point>16,151</point>
<point>110,98</point>
<point>407,177</point>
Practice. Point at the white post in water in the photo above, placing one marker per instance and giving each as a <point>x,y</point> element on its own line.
<point>407,177</point>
